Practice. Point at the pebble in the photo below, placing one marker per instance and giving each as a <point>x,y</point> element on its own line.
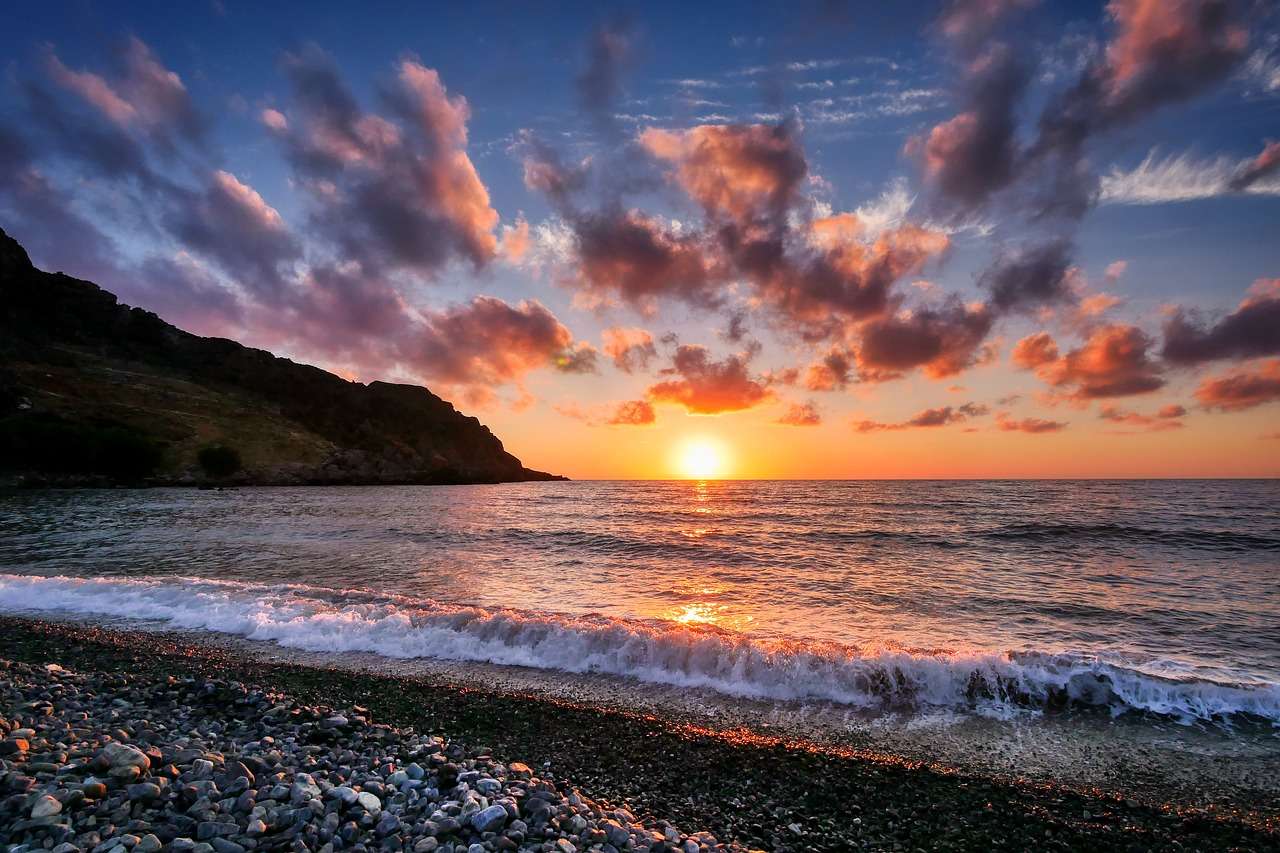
<point>188,765</point>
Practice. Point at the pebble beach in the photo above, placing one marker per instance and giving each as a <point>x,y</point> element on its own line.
<point>115,741</point>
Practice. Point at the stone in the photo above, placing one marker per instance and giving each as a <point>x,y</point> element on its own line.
<point>369,802</point>
<point>124,755</point>
<point>425,845</point>
<point>491,819</point>
<point>223,845</point>
<point>148,844</point>
<point>45,806</point>
<point>488,786</point>
<point>565,846</point>
<point>387,824</point>
<point>144,791</point>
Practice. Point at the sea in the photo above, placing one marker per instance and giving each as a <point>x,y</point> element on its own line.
<point>1154,599</point>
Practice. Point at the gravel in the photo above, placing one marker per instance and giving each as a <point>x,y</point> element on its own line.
<point>646,774</point>
<point>112,762</point>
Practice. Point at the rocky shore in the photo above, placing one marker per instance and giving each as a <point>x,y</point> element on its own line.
<point>118,763</point>
<point>118,741</point>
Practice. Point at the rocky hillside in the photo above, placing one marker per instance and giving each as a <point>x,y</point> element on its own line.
<point>93,392</point>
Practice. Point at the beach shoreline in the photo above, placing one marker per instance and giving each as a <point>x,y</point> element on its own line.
<point>761,786</point>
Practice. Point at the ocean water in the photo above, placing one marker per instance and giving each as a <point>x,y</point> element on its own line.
<point>1137,598</point>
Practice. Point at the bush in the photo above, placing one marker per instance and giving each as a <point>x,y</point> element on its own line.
<point>219,461</point>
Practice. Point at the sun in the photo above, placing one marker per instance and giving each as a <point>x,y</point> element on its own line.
<point>702,459</point>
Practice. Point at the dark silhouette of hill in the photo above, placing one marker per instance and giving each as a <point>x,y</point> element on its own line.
<point>94,392</point>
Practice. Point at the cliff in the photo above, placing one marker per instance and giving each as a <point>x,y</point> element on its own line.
<point>93,392</point>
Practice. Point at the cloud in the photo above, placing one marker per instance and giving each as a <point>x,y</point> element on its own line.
<point>1165,418</point>
<point>939,417</point>
<point>626,413</point>
<point>1035,350</point>
<point>1243,389</point>
<point>1032,278</point>
<point>1113,362</point>
<point>599,83</point>
<point>490,342</point>
<point>630,349</point>
<point>232,224</point>
<point>144,95</point>
<point>748,175</point>
<point>973,154</point>
<point>392,193</point>
<point>707,387</point>
<point>1176,178</point>
<point>832,372</point>
<point>1250,331</point>
<point>1264,165</point>
<point>801,415</point>
<point>942,340</point>
<point>1035,426</point>
<point>633,413</point>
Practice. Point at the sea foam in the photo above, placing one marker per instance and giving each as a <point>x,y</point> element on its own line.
<point>654,651</point>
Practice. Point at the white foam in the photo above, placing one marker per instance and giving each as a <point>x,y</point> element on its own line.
<point>661,652</point>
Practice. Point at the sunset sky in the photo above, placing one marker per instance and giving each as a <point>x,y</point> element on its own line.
<point>986,238</point>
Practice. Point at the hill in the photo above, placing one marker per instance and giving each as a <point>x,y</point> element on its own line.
<point>94,392</point>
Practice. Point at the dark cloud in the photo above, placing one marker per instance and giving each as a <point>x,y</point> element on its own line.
<point>1250,331</point>
<point>1266,163</point>
<point>973,154</point>
<point>706,387</point>
<point>1031,278</point>
<point>943,340</point>
<point>232,224</point>
<point>599,84</point>
<point>832,372</point>
<point>1243,389</point>
<point>397,193</point>
<point>939,417</point>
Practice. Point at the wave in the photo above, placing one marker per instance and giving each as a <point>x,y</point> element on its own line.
<point>1188,538</point>
<point>879,679</point>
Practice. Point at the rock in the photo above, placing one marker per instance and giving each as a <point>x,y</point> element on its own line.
<point>181,845</point>
<point>488,786</point>
<point>208,829</point>
<point>565,846</point>
<point>387,824</point>
<point>425,845</point>
<point>256,827</point>
<point>14,746</point>
<point>223,845</point>
<point>369,802</point>
<point>491,819</point>
<point>94,790</point>
<point>45,806</point>
<point>519,771</point>
<point>118,755</point>
<point>149,844</point>
<point>144,791</point>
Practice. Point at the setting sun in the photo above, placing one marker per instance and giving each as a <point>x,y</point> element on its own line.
<point>702,459</point>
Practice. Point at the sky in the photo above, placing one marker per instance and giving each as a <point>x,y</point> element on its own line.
<point>985,238</point>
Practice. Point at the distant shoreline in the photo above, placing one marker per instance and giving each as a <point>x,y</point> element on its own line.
<point>739,785</point>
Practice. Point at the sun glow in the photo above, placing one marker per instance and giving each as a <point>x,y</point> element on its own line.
<point>702,459</point>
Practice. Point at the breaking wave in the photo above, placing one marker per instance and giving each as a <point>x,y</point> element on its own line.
<point>885,678</point>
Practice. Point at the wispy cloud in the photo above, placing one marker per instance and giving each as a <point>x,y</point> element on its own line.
<point>1180,177</point>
